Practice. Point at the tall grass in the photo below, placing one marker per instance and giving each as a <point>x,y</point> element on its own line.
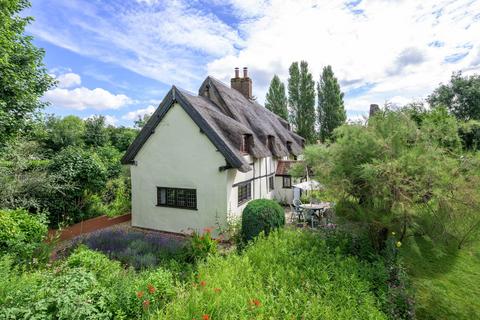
<point>446,280</point>
<point>289,275</point>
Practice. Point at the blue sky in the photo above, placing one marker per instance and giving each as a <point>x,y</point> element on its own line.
<point>119,58</point>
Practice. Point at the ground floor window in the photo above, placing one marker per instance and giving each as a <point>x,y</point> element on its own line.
<point>271,183</point>
<point>244,193</point>
<point>287,181</point>
<point>177,197</point>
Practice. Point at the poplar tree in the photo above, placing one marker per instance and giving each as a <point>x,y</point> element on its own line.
<point>276,99</point>
<point>293,92</point>
<point>330,108</point>
<point>301,91</point>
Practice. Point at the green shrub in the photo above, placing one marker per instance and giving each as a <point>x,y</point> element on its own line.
<point>21,233</point>
<point>200,246</point>
<point>82,174</point>
<point>261,215</point>
<point>289,275</point>
<point>66,294</point>
<point>86,286</point>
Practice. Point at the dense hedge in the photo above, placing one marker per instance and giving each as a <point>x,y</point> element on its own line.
<point>261,215</point>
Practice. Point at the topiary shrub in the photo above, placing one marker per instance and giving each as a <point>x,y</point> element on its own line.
<point>261,215</point>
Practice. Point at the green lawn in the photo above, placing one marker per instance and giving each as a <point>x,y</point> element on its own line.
<point>447,282</point>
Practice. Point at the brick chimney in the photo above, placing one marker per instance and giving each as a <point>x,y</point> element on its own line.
<point>374,108</point>
<point>243,85</point>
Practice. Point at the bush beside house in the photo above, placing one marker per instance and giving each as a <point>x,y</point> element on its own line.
<point>261,215</point>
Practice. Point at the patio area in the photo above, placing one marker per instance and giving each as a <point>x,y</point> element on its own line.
<point>310,215</point>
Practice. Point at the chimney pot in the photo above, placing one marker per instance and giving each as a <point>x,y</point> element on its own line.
<point>242,85</point>
<point>374,108</point>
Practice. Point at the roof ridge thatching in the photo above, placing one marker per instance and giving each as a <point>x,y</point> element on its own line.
<point>225,115</point>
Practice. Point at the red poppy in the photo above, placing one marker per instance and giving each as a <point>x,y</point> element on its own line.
<point>217,290</point>
<point>151,288</point>
<point>205,317</point>
<point>146,304</point>
<point>207,230</point>
<point>255,302</point>
<point>139,294</point>
<point>203,283</point>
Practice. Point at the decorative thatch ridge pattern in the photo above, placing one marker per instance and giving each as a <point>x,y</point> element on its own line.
<point>225,115</point>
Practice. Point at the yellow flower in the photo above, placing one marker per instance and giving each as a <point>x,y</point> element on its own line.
<point>399,244</point>
<point>393,233</point>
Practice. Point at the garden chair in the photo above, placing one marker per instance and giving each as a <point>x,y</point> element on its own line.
<point>311,217</point>
<point>297,214</point>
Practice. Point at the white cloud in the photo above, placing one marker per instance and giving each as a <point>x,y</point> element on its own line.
<point>386,43</point>
<point>68,80</point>
<point>170,42</point>
<point>359,119</point>
<point>111,120</point>
<point>148,2</point>
<point>399,46</point>
<point>133,115</point>
<point>83,98</point>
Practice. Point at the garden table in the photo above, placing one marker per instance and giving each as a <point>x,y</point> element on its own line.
<point>317,209</point>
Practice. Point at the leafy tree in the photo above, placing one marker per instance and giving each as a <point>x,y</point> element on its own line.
<point>23,76</point>
<point>96,134</point>
<point>330,109</point>
<point>293,92</point>
<point>141,121</point>
<point>121,137</point>
<point>276,99</point>
<point>110,157</point>
<point>24,177</point>
<point>301,97</point>
<point>470,134</point>
<point>461,96</point>
<point>397,175</point>
<point>64,132</point>
<point>83,174</point>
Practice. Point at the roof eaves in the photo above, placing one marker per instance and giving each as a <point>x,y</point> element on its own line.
<point>149,128</point>
<point>175,95</point>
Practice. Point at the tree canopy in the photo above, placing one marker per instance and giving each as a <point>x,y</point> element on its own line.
<point>301,98</point>
<point>330,109</point>
<point>276,99</point>
<point>23,76</point>
<point>461,96</point>
<point>397,175</point>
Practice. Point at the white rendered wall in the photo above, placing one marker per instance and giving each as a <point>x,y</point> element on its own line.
<point>178,155</point>
<point>262,169</point>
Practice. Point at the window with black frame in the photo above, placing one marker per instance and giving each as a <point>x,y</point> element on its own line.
<point>287,182</point>
<point>244,193</point>
<point>271,183</point>
<point>177,198</point>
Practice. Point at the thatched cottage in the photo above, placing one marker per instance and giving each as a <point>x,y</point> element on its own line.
<point>202,158</point>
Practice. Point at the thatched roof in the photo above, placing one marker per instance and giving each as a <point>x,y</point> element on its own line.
<point>225,115</point>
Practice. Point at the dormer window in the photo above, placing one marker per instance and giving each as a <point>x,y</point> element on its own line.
<point>270,142</point>
<point>245,143</point>
<point>289,146</point>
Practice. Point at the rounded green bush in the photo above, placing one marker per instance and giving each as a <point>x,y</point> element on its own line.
<point>261,215</point>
